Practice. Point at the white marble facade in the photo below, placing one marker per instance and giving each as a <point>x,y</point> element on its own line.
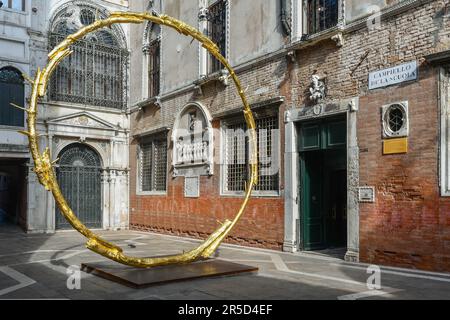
<point>106,130</point>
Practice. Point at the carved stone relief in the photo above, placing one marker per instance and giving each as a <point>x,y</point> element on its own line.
<point>192,141</point>
<point>317,89</point>
<point>84,121</point>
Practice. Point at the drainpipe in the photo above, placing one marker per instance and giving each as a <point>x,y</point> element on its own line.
<point>284,17</point>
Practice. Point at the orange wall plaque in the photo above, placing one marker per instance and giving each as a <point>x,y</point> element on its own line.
<point>395,146</point>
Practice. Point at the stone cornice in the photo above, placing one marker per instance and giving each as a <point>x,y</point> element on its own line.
<point>442,57</point>
<point>256,105</point>
<point>146,133</point>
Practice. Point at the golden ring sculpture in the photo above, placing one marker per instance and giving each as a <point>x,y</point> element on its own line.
<point>43,165</point>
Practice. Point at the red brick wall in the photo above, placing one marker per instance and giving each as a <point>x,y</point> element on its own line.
<point>409,225</point>
<point>262,224</point>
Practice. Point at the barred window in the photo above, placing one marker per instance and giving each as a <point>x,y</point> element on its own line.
<point>267,129</point>
<point>153,165</point>
<point>322,15</point>
<point>95,73</point>
<point>237,157</point>
<point>217,32</point>
<point>154,68</point>
<point>237,153</point>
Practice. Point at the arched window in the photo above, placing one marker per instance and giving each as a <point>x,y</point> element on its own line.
<point>11,91</point>
<point>96,72</point>
<point>79,175</point>
<point>152,54</point>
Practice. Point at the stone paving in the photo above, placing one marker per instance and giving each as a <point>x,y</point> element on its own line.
<point>34,266</point>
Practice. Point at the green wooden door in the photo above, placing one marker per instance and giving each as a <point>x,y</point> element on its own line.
<point>313,219</point>
<point>336,212</point>
<point>323,184</point>
<point>335,195</point>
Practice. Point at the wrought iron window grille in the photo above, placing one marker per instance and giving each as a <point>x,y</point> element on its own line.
<point>154,68</point>
<point>79,173</point>
<point>322,15</point>
<point>236,149</point>
<point>153,165</point>
<point>217,31</point>
<point>96,72</point>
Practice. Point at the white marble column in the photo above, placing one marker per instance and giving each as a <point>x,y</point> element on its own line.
<point>203,27</point>
<point>145,77</point>
<point>36,209</point>
<point>352,184</point>
<point>112,199</point>
<point>122,200</point>
<point>50,199</point>
<point>291,208</point>
<point>105,191</point>
<point>298,20</point>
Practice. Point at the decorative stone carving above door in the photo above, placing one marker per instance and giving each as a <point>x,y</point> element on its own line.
<point>192,139</point>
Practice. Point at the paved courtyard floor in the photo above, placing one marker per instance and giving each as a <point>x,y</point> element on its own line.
<point>34,266</point>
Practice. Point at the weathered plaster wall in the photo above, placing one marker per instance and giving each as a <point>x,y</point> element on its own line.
<point>255,29</point>
<point>31,27</point>
<point>179,60</point>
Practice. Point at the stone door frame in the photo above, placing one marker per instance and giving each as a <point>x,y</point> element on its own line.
<point>293,117</point>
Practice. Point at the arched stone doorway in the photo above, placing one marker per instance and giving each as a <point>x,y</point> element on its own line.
<point>79,176</point>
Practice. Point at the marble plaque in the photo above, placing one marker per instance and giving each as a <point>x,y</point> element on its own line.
<point>367,194</point>
<point>395,75</point>
<point>192,187</point>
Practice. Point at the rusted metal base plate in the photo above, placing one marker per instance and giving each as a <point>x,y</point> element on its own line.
<point>143,278</point>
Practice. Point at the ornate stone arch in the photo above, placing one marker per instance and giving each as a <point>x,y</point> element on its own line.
<point>20,68</point>
<point>80,173</point>
<point>152,33</point>
<point>100,12</point>
<point>13,83</point>
<point>193,148</point>
<point>94,160</point>
<point>151,7</point>
<point>5,64</point>
<point>86,82</point>
<point>149,30</point>
<point>63,144</point>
